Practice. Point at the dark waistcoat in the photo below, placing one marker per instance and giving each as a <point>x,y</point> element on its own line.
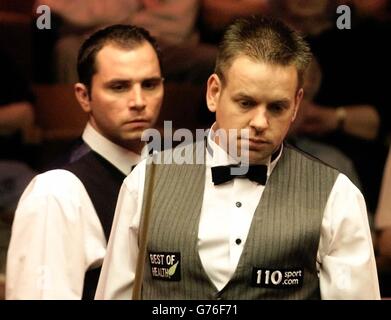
<point>102,181</point>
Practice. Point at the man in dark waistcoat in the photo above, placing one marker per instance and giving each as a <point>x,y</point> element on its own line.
<point>63,220</point>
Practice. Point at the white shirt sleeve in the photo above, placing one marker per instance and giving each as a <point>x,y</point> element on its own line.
<point>56,237</point>
<point>346,263</point>
<point>345,259</point>
<point>119,266</point>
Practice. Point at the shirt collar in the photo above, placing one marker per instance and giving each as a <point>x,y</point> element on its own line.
<point>118,156</point>
<point>217,156</point>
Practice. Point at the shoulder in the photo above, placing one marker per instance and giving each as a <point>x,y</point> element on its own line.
<point>306,158</point>
<point>59,184</point>
<point>185,153</point>
<point>344,186</point>
<point>57,195</point>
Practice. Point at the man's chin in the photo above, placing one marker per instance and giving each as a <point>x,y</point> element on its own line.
<point>252,158</point>
<point>133,138</point>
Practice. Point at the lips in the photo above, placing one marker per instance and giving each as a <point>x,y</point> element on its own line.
<point>255,144</point>
<point>260,141</point>
<point>137,121</point>
<point>254,140</point>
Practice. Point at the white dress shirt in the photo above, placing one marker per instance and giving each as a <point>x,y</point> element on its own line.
<point>345,258</point>
<point>56,234</point>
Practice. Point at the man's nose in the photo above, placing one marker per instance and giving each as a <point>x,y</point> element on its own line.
<point>260,119</point>
<point>137,99</point>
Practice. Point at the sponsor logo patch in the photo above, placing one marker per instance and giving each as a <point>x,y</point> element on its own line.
<point>165,265</point>
<point>277,278</point>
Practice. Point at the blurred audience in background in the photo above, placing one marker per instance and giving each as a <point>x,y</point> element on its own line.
<point>216,15</point>
<point>172,22</point>
<point>16,127</point>
<point>16,110</point>
<point>344,118</point>
<point>383,235</point>
<point>325,152</point>
<point>350,110</point>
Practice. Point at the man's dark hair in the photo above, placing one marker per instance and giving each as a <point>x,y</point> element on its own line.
<point>123,36</point>
<point>266,40</point>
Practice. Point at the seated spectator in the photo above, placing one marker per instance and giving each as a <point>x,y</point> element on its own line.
<point>325,152</point>
<point>16,119</point>
<point>16,123</point>
<point>16,110</point>
<point>216,15</point>
<point>172,22</point>
<point>349,112</point>
<point>383,213</point>
<point>383,227</point>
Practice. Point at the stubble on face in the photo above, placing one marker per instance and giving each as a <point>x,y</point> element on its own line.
<point>261,98</point>
<point>121,107</point>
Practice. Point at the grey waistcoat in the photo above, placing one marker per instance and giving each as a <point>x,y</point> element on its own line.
<point>284,233</point>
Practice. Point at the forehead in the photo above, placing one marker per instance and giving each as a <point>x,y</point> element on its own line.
<point>257,78</point>
<point>139,61</point>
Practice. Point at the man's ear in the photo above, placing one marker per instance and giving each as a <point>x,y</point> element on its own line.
<point>82,96</point>
<point>213,92</point>
<point>298,98</point>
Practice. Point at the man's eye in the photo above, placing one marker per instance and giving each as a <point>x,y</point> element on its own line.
<point>118,87</point>
<point>150,84</point>
<point>276,108</point>
<point>246,103</point>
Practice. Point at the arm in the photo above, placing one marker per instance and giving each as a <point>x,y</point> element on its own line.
<point>170,20</point>
<point>16,116</point>
<point>47,258</point>
<point>384,249</point>
<point>91,13</point>
<point>346,262</point>
<point>362,121</point>
<point>119,266</point>
<point>383,217</point>
<point>219,13</point>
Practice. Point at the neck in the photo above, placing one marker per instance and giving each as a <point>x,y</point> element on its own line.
<point>134,146</point>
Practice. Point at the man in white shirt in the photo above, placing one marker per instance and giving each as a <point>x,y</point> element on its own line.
<point>291,228</point>
<point>64,217</point>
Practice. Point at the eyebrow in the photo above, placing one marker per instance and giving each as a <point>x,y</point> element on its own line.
<point>127,81</point>
<point>283,101</point>
<point>243,96</point>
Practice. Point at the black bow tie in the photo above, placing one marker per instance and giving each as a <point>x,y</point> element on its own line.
<point>222,174</point>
